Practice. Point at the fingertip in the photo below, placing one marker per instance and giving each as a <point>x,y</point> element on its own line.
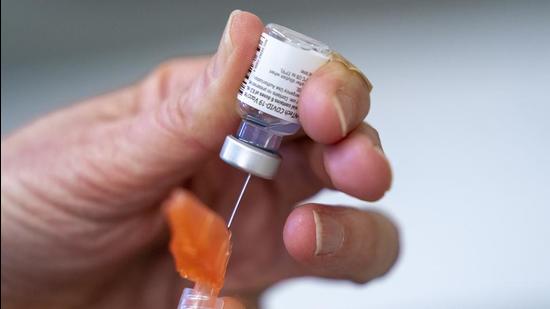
<point>235,53</point>
<point>358,168</point>
<point>245,30</point>
<point>299,234</point>
<point>318,114</point>
<point>333,102</point>
<point>210,98</point>
<point>342,242</point>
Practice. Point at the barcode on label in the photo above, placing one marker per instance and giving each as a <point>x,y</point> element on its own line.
<point>257,56</point>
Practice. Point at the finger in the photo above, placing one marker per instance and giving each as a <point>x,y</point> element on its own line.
<point>230,303</point>
<point>357,165</point>
<point>333,102</point>
<point>300,175</point>
<point>135,160</point>
<point>186,109</point>
<point>341,242</point>
<point>372,134</point>
<point>348,167</point>
<point>191,123</point>
<point>170,79</point>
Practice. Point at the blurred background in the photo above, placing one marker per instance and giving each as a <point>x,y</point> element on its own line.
<point>461,99</point>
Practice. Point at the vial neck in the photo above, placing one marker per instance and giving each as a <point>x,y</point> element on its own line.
<point>259,136</point>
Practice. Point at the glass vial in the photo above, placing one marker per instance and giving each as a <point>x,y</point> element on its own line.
<point>268,98</point>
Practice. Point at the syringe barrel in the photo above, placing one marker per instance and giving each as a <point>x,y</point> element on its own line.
<point>199,297</point>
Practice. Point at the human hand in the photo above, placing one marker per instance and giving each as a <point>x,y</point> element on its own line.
<point>82,187</point>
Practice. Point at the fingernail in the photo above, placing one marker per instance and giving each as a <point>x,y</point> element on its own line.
<point>378,148</point>
<point>329,234</point>
<point>226,39</point>
<point>335,56</point>
<point>381,152</point>
<point>342,104</point>
<point>226,46</point>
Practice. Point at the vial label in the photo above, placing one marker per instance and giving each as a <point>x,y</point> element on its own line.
<point>276,77</point>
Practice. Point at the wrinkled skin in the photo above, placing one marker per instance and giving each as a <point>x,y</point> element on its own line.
<point>82,224</point>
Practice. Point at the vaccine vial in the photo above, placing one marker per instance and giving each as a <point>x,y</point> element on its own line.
<point>268,98</point>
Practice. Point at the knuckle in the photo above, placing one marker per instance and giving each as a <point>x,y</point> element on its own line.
<point>156,86</point>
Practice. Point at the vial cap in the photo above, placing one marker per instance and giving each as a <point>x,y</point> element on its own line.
<point>249,158</point>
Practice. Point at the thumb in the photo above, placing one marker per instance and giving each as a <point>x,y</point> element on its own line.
<point>178,118</point>
<point>122,152</point>
<point>189,125</point>
<point>186,109</point>
<point>341,242</point>
<point>207,111</point>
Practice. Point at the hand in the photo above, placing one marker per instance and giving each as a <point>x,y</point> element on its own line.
<point>82,187</point>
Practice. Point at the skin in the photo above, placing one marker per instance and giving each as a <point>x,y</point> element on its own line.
<point>82,224</point>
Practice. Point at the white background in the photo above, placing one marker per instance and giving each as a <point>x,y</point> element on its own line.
<point>461,100</point>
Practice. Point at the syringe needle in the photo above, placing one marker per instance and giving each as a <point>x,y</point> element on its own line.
<point>238,201</point>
